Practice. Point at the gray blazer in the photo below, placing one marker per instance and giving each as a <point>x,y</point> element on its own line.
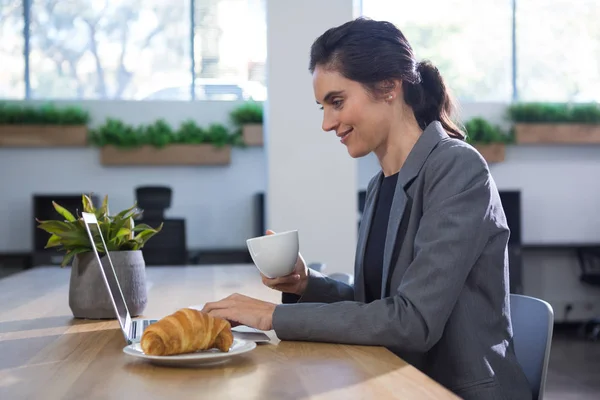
<point>444,304</point>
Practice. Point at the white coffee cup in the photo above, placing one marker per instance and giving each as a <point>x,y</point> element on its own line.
<point>275,255</point>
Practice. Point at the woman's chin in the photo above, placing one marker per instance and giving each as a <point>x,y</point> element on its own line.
<point>357,152</point>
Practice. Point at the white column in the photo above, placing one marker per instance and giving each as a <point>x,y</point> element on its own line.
<point>311,179</point>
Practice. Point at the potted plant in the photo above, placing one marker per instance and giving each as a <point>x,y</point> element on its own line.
<point>88,296</point>
<point>159,144</point>
<point>488,139</point>
<point>248,120</point>
<point>44,126</point>
<point>555,123</point>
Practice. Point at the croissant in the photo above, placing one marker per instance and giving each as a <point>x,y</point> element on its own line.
<point>186,331</point>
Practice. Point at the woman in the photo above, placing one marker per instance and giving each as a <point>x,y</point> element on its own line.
<point>431,267</point>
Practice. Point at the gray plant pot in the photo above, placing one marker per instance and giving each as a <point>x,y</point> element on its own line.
<point>88,295</point>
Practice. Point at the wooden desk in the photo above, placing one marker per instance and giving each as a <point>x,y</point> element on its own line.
<point>46,353</point>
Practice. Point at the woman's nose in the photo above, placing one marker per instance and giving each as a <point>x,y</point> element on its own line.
<point>329,123</point>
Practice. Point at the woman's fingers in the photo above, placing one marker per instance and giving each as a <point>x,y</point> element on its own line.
<point>283,280</point>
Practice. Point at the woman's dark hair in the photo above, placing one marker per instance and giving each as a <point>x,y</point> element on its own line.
<point>376,52</point>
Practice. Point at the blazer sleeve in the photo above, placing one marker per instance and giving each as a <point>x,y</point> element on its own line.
<point>321,289</point>
<point>454,229</point>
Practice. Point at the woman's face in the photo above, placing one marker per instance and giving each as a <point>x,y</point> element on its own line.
<point>361,122</point>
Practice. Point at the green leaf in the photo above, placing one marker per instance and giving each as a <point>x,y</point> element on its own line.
<point>142,227</point>
<point>70,254</point>
<point>56,227</point>
<point>122,232</point>
<point>63,211</point>
<point>115,226</point>
<point>76,241</point>
<point>67,258</point>
<point>143,236</point>
<point>126,213</point>
<point>54,241</point>
<point>105,228</point>
<point>88,206</point>
<point>102,212</point>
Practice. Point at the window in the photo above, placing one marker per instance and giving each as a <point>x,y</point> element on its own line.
<point>554,48</point>
<point>469,41</point>
<point>12,43</point>
<point>558,50</point>
<point>107,49</point>
<point>229,41</point>
<point>133,50</point>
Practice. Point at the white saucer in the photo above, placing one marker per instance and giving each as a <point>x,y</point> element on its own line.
<point>201,358</point>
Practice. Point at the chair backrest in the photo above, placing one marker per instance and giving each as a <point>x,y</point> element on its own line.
<point>533,324</point>
<point>343,277</point>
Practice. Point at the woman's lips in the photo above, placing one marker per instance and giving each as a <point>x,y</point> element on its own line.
<point>344,136</point>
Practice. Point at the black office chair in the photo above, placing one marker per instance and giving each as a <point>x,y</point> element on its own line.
<point>153,200</point>
<point>169,247</point>
<point>589,262</point>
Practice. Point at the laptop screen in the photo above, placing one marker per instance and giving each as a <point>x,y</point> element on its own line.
<point>108,272</point>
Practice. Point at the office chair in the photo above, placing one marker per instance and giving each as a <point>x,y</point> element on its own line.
<point>348,279</point>
<point>533,325</point>
<point>589,263</point>
<point>170,248</point>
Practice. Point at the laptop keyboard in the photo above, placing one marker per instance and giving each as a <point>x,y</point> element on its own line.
<point>148,322</point>
<point>145,323</point>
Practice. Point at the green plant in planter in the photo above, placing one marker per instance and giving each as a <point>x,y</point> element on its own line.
<point>115,132</point>
<point>47,114</point>
<point>159,134</point>
<point>120,231</point>
<point>248,113</point>
<point>554,113</point>
<point>480,131</point>
<point>216,134</point>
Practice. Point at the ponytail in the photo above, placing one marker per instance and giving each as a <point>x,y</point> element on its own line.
<point>430,99</point>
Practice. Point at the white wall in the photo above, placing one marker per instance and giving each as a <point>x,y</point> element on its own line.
<point>312,181</point>
<point>217,201</point>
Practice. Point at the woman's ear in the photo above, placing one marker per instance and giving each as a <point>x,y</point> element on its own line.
<point>391,89</point>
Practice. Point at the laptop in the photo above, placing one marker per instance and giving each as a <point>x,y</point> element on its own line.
<point>134,328</point>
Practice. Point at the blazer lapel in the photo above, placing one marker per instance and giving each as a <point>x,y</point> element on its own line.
<point>428,140</point>
<point>396,214</point>
<point>365,228</point>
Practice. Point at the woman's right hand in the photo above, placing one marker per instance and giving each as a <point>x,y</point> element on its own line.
<point>293,283</point>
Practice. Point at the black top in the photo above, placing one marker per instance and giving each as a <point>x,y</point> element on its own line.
<point>373,260</point>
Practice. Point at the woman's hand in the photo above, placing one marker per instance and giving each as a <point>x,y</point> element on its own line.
<point>293,283</point>
<point>243,310</point>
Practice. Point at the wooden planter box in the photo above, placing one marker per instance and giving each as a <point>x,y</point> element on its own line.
<point>176,154</point>
<point>492,153</point>
<point>43,135</point>
<point>557,133</point>
<point>253,134</point>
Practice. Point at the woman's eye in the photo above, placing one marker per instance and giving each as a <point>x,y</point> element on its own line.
<point>337,103</point>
